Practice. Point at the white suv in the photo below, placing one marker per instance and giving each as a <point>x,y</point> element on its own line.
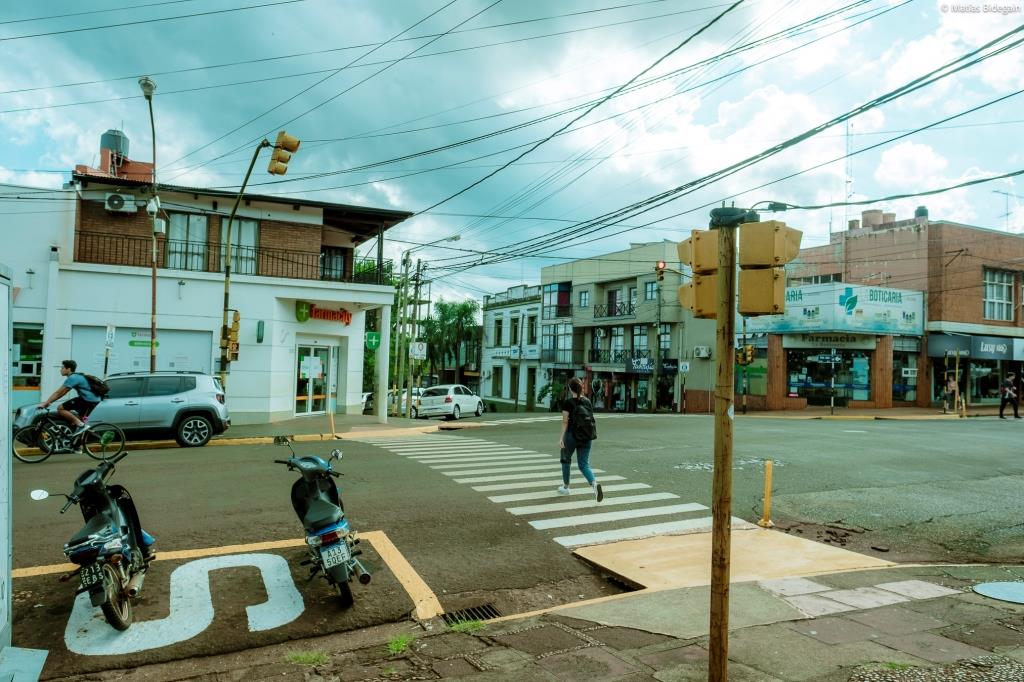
<point>448,400</point>
<point>186,406</point>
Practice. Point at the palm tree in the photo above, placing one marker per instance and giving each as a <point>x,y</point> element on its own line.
<point>451,326</point>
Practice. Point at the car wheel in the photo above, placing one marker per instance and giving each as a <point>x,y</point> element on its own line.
<point>415,413</point>
<point>456,413</point>
<point>194,431</point>
<point>479,408</point>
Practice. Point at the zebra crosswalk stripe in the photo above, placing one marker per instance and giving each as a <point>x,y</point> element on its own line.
<point>509,477</point>
<point>479,461</point>
<point>591,503</point>
<point>634,532</point>
<point>549,483</point>
<point>550,465</point>
<point>554,494</point>
<point>586,519</point>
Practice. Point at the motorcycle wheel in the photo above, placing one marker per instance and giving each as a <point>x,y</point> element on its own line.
<point>345,593</point>
<point>118,607</point>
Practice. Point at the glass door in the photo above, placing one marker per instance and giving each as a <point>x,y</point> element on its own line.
<point>313,369</point>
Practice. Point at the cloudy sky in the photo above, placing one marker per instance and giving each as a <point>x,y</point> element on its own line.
<point>408,104</point>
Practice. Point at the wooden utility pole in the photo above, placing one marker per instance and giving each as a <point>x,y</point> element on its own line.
<point>415,335</point>
<point>403,301</point>
<point>721,501</point>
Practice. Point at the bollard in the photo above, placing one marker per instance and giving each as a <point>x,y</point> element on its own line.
<point>766,519</point>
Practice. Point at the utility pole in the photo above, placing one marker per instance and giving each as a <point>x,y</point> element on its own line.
<point>656,374</point>
<point>519,359</point>
<point>746,365</point>
<point>403,302</point>
<point>415,334</point>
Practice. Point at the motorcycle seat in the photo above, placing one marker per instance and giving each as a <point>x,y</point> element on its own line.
<point>99,524</point>
<point>320,514</point>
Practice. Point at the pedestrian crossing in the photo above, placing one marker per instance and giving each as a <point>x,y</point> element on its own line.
<point>524,482</point>
<point>546,418</point>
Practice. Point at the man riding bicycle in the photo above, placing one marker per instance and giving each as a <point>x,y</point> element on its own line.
<point>84,403</point>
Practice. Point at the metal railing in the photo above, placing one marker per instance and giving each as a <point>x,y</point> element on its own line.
<point>615,309</point>
<point>197,256</point>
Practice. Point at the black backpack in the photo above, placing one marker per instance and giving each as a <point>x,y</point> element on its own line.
<point>98,386</point>
<point>581,421</point>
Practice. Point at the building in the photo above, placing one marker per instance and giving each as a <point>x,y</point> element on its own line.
<point>609,321</point>
<point>83,273</point>
<point>511,347</point>
<point>972,278</point>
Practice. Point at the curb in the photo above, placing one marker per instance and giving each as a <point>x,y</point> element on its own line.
<point>295,438</point>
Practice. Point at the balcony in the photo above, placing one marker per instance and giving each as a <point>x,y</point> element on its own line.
<point>107,249</point>
<point>615,310</point>
<point>561,357</point>
<point>551,312</point>
<point>606,356</point>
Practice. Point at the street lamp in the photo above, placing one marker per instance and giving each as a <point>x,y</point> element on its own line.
<point>148,87</point>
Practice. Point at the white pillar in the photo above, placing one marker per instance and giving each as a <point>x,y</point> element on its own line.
<point>53,334</point>
<point>380,394</point>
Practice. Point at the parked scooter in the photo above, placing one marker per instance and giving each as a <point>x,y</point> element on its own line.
<point>111,550</point>
<point>331,544</point>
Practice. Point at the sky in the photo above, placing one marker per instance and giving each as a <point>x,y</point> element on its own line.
<point>514,124</point>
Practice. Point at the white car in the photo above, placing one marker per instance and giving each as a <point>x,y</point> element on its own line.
<point>448,400</point>
<point>401,404</point>
<point>367,401</point>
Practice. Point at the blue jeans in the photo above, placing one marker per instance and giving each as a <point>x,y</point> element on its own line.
<point>582,451</point>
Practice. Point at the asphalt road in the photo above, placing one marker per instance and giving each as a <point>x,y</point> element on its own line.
<point>934,490</point>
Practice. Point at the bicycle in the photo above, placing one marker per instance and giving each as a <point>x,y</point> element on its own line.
<point>51,435</point>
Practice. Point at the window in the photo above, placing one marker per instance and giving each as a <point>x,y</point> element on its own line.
<point>513,377</point>
<point>27,357</point>
<point>998,295</point>
<point>557,300</point>
<point>128,387</point>
<point>514,332</point>
<point>632,296</point>
<point>531,330</point>
<point>243,245</point>
<point>435,392</point>
<point>665,337</point>
<point>186,241</point>
<point>650,291</point>
<point>163,386</point>
<point>618,338</point>
<point>499,332</point>
<point>332,263</point>
<point>584,299</point>
<point>496,382</point>
<point>556,343</point>
<point>640,337</point>
<point>815,279</point>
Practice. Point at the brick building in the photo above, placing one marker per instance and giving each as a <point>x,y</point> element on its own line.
<point>973,281</point>
<point>88,266</point>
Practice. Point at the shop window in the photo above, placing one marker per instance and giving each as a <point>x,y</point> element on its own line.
<point>27,357</point>
<point>986,376</point>
<point>808,378</point>
<point>998,296</point>
<point>904,376</point>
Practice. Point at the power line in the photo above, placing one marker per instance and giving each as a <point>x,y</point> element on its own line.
<point>94,11</point>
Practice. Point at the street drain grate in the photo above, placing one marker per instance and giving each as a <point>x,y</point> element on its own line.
<point>482,612</point>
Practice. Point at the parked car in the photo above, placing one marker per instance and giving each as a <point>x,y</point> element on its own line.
<point>416,392</point>
<point>367,402</point>
<point>186,406</point>
<point>447,400</point>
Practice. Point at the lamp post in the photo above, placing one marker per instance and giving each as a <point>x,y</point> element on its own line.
<point>148,88</point>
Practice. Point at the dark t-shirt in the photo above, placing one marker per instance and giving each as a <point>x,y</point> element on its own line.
<point>1008,391</point>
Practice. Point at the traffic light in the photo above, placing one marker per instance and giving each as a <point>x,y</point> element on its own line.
<point>700,252</point>
<point>741,357</point>
<point>236,322</point>
<point>284,147</point>
<point>659,268</point>
<point>765,248</point>
<point>748,354</point>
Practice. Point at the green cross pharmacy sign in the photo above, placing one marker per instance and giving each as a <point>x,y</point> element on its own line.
<point>373,340</point>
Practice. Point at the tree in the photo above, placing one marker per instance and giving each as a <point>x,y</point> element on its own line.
<point>451,326</point>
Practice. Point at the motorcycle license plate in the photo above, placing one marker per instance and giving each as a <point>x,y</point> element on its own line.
<point>92,574</point>
<point>334,555</point>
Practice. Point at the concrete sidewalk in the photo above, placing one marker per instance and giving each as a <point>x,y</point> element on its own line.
<point>892,624</point>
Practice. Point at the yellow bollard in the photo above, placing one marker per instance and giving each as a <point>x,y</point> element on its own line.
<point>766,519</point>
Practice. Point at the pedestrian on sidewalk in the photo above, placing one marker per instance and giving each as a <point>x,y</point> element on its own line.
<point>1008,394</point>
<point>579,430</point>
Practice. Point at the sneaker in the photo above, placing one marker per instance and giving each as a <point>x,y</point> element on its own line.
<point>563,490</point>
<point>1002,417</point>
<point>598,491</point>
<point>80,430</point>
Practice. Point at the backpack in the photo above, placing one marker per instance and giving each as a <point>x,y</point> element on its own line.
<point>581,421</point>
<point>98,386</point>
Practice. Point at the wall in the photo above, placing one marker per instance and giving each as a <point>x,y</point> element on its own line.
<point>6,550</point>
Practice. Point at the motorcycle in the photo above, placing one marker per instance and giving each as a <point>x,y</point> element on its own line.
<point>112,551</point>
<point>330,541</point>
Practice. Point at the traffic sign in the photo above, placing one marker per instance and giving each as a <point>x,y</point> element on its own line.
<point>831,359</point>
<point>418,350</point>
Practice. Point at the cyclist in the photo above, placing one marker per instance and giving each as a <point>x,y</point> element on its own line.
<point>84,403</point>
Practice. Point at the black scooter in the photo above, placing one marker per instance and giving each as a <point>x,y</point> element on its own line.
<point>111,550</point>
<point>317,502</point>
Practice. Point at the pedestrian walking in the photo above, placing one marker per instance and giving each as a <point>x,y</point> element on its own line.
<point>579,430</point>
<point>1008,394</point>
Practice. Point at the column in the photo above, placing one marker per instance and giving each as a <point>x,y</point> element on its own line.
<point>380,391</point>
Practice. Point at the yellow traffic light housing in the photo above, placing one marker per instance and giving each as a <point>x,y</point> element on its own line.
<point>284,147</point>
<point>700,253</point>
<point>764,249</point>
<point>233,328</point>
<point>659,268</point>
<point>748,354</point>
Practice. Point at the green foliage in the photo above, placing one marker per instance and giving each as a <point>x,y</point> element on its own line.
<point>306,658</point>
<point>468,626</point>
<point>898,666</point>
<point>400,643</point>
<point>553,389</point>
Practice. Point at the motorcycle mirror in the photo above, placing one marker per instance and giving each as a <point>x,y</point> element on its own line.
<point>336,454</point>
<point>39,495</point>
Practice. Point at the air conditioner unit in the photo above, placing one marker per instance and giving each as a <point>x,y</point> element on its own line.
<point>599,333</point>
<point>120,203</point>
<point>702,351</point>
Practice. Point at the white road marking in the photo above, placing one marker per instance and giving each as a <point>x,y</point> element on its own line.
<point>586,519</point>
<point>853,431</point>
<point>588,504</point>
<point>552,494</point>
<point>605,536</point>
<point>87,632</point>
<point>551,465</point>
<point>449,448</point>
<point>509,477</point>
<point>552,483</point>
<point>464,455</point>
<point>480,461</point>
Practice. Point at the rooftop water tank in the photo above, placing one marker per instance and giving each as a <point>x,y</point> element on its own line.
<point>115,141</point>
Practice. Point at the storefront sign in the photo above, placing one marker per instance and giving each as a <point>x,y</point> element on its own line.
<point>991,347</point>
<point>669,366</point>
<point>948,346</point>
<point>846,308</point>
<point>373,340</point>
<point>641,366</point>
<point>844,341</point>
<point>305,311</point>
<point>1018,349</point>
